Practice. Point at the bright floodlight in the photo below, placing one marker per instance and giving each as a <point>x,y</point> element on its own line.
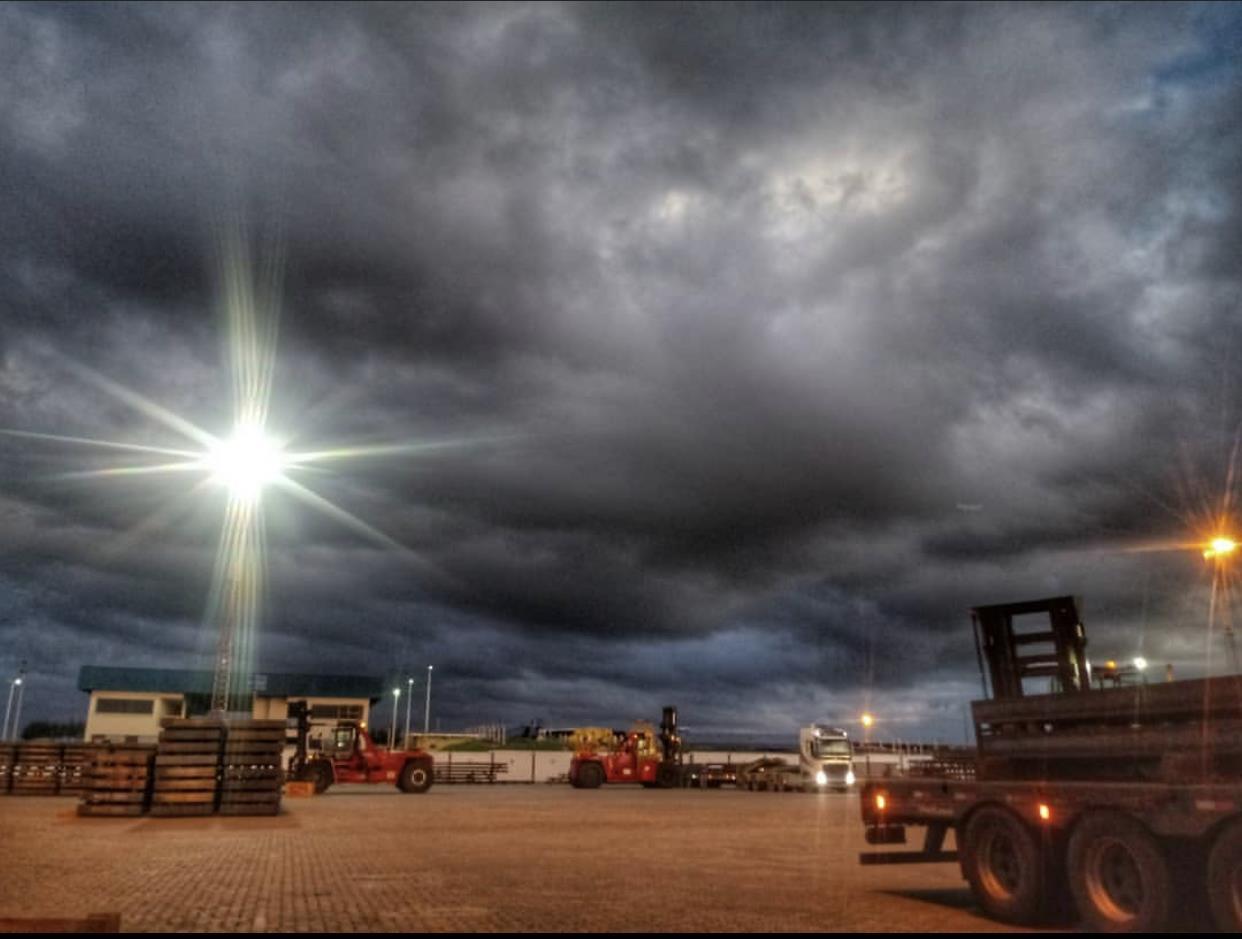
<point>247,462</point>
<point>1140,663</point>
<point>1220,546</point>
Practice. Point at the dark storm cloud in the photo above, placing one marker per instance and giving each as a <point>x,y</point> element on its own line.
<point>772,337</point>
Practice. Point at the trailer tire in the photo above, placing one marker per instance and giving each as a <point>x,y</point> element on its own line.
<point>1224,878</point>
<point>1004,864</point>
<point>415,777</point>
<point>667,776</point>
<point>1118,875</point>
<point>590,776</point>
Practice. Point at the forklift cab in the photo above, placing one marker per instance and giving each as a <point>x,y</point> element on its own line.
<point>342,743</point>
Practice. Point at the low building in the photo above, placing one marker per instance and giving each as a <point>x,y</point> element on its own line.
<point>127,704</point>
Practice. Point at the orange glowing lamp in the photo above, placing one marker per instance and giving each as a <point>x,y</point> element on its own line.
<point>1220,547</point>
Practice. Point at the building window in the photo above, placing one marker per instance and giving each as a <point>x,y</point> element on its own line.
<point>340,712</point>
<point>124,706</point>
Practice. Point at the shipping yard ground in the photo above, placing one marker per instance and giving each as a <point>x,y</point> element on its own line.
<point>479,858</point>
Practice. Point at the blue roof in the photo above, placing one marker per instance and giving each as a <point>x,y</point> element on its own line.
<point>268,684</point>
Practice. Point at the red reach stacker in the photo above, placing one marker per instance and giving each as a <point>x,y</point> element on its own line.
<point>634,756</point>
<point>1122,802</point>
<point>350,755</point>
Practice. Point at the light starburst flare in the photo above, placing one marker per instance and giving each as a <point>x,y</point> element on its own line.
<point>246,461</point>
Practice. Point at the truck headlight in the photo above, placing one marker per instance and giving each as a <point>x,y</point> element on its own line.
<point>849,777</point>
<point>821,778</point>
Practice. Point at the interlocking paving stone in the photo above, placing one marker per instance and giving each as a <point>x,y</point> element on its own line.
<point>497,858</point>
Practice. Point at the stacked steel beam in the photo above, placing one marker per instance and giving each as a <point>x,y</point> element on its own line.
<point>8,755</point>
<point>117,780</point>
<point>187,766</point>
<point>36,769</point>
<point>251,775</point>
<point>73,765</point>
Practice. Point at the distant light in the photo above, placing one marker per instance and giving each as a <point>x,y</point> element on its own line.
<point>247,461</point>
<point>849,777</point>
<point>821,778</point>
<point>880,801</point>
<point>1220,546</point>
<point>1111,664</point>
<point>1140,663</point>
<point>867,720</point>
<point>17,681</point>
<point>396,692</point>
<point>1045,813</point>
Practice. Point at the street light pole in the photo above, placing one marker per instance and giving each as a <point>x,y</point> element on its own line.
<point>427,706</point>
<point>1220,550</point>
<point>17,713</point>
<point>4,734</point>
<point>409,699</point>
<point>866,722</point>
<point>392,734</point>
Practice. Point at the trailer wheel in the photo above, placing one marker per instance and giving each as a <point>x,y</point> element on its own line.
<point>590,776</point>
<point>415,777</point>
<point>1224,878</point>
<point>1002,861</point>
<point>1118,875</point>
<point>667,776</point>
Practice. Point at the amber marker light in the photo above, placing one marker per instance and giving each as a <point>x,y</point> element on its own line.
<point>1045,813</point>
<point>880,801</point>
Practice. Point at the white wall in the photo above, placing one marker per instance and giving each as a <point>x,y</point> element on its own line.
<point>547,765</point>
<point>117,727</point>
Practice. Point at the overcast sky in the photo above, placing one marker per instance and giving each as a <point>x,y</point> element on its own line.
<point>766,341</point>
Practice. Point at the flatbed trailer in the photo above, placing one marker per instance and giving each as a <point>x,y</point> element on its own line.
<point>1122,803</point>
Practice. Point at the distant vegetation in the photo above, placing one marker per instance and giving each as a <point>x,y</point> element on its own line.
<point>36,730</point>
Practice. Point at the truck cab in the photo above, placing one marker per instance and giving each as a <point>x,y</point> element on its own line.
<point>826,758</point>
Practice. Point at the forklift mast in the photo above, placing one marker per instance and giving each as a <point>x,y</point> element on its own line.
<point>669,738</point>
<point>1009,658</point>
<point>300,712</point>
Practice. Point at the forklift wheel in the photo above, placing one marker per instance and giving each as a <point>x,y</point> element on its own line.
<point>415,777</point>
<point>320,773</point>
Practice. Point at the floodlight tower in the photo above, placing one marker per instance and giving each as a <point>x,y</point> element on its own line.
<point>244,464</point>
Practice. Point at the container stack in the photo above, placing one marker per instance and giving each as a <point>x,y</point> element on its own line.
<point>251,774</point>
<point>187,766</point>
<point>36,769</point>
<point>117,780</point>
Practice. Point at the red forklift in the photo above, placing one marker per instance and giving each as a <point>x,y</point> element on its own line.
<point>349,755</point>
<point>637,756</point>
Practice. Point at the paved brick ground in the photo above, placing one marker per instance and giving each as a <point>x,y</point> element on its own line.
<point>476,858</point>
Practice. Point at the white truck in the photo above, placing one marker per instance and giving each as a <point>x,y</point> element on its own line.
<point>825,761</point>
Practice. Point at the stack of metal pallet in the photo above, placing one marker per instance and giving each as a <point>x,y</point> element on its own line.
<point>117,780</point>
<point>36,769</point>
<point>8,754</point>
<point>1155,731</point>
<point>251,775</point>
<point>1169,731</point>
<point>187,766</point>
<point>73,766</point>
